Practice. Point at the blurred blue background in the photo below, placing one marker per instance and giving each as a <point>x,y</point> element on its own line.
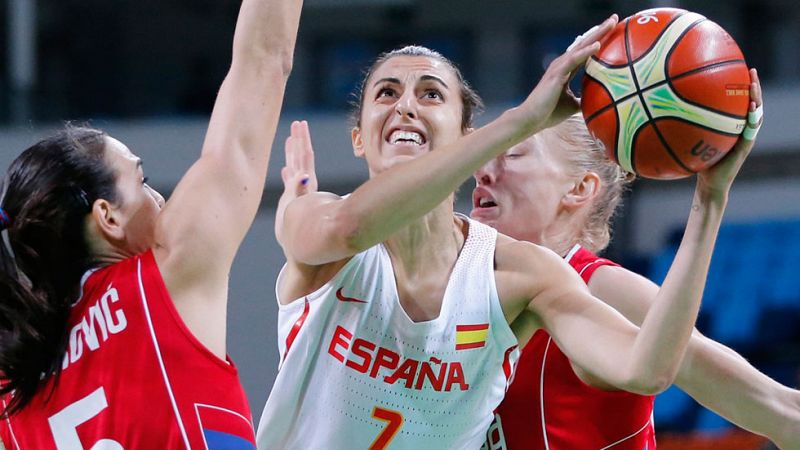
<point>147,71</point>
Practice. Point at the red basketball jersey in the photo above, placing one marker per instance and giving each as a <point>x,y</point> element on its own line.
<point>134,376</point>
<point>548,407</point>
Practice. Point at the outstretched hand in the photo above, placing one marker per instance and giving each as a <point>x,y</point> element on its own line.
<point>298,174</point>
<point>552,101</point>
<point>719,177</point>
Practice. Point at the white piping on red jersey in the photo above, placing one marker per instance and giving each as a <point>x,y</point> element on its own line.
<point>158,354</point>
<point>541,395</point>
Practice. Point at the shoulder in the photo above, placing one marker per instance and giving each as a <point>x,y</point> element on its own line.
<point>523,271</point>
<point>519,257</point>
<point>299,280</point>
<point>624,290</point>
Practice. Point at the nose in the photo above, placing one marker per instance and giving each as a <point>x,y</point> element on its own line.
<point>487,174</point>
<point>157,196</point>
<point>406,106</point>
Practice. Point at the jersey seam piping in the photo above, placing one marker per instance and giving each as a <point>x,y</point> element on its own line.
<point>143,296</point>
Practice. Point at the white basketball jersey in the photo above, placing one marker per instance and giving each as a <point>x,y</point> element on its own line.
<point>358,373</point>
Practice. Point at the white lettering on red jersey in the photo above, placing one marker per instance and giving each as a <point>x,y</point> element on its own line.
<point>358,373</point>
<point>134,376</point>
<point>548,407</point>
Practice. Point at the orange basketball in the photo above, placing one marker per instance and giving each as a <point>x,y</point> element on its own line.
<point>667,93</point>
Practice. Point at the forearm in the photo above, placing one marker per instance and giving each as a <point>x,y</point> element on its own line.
<point>266,31</point>
<point>665,331</point>
<point>727,384</point>
<point>396,197</point>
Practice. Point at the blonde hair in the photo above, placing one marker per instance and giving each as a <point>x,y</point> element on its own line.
<point>584,153</point>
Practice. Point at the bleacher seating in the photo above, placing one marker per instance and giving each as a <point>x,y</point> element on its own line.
<point>751,303</point>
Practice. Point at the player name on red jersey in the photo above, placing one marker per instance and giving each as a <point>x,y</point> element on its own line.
<point>371,358</point>
<point>102,320</point>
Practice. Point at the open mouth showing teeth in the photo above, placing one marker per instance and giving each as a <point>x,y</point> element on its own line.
<point>486,203</point>
<point>406,137</point>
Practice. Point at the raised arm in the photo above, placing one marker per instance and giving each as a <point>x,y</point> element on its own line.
<point>649,360</point>
<point>214,204</point>
<point>395,197</point>
<point>711,373</point>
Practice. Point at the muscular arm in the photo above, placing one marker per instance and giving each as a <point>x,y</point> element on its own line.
<point>714,375</point>
<point>396,197</point>
<point>205,220</point>
<point>646,361</point>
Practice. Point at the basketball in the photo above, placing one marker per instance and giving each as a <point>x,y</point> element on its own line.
<point>667,93</point>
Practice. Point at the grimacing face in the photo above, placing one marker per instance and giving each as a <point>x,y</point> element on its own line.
<point>139,203</point>
<point>519,193</point>
<point>412,105</point>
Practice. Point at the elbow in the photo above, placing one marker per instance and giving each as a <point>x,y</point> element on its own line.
<point>271,63</point>
<point>350,231</point>
<point>285,61</point>
<point>648,383</point>
<point>279,60</point>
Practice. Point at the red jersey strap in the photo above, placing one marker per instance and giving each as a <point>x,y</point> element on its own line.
<point>585,262</point>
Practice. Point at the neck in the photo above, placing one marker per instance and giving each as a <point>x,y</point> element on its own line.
<point>105,253</point>
<point>563,233</point>
<point>428,244</point>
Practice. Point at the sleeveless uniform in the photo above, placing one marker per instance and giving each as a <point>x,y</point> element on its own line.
<point>357,373</point>
<point>134,376</point>
<point>548,407</point>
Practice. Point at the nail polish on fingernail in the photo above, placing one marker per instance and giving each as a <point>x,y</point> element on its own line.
<point>304,181</point>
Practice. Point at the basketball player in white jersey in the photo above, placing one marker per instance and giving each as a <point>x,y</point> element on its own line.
<point>394,312</point>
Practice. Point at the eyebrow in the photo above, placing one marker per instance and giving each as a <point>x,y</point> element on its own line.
<point>422,78</point>
<point>138,162</point>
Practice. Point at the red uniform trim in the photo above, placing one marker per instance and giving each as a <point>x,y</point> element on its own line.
<point>296,328</point>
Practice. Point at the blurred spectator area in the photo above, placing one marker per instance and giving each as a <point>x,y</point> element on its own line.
<point>751,304</point>
<point>144,58</point>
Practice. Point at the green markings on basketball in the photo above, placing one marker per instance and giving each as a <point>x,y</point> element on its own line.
<point>663,102</point>
<point>632,116</point>
<point>617,81</point>
<point>651,67</point>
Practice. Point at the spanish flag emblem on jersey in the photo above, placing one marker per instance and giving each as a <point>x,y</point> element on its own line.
<point>471,336</point>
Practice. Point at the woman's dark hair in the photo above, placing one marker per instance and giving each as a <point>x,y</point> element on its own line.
<point>471,101</point>
<point>49,190</point>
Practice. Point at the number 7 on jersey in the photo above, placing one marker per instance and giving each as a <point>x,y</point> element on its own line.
<point>393,419</point>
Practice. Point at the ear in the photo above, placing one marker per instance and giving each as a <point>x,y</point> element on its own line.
<point>358,143</point>
<point>582,192</point>
<point>107,220</point>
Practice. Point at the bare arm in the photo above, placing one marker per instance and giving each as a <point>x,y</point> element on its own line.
<point>597,339</point>
<point>646,361</point>
<point>396,197</point>
<point>711,373</point>
<point>214,204</point>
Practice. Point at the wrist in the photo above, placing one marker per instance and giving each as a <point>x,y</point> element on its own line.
<point>524,120</point>
<point>711,196</point>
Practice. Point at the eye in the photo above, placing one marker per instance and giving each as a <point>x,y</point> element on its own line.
<point>513,155</point>
<point>433,94</point>
<point>386,92</point>
<point>145,180</point>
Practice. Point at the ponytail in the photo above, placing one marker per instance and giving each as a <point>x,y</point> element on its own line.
<point>49,191</point>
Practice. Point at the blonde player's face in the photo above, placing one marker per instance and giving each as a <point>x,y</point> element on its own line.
<point>412,105</point>
<point>520,192</point>
<point>139,204</point>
